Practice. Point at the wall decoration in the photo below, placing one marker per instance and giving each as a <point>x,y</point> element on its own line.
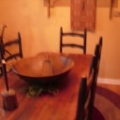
<point>67,3</point>
<point>99,3</point>
<point>83,13</point>
<point>50,4</point>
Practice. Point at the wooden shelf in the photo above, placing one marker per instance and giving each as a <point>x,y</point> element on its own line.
<point>100,3</point>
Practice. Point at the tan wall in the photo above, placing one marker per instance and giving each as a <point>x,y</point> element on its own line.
<point>40,33</point>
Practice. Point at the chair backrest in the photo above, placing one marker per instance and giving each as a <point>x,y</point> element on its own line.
<point>84,98</point>
<point>13,48</point>
<point>2,62</point>
<point>1,36</point>
<point>95,66</point>
<point>87,93</point>
<point>98,48</point>
<point>1,50</point>
<point>98,51</point>
<point>3,65</point>
<point>73,34</point>
<point>1,56</point>
<point>80,115</point>
<point>100,45</point>
<point>94,73</point>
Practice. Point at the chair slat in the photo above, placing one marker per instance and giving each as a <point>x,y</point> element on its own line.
<point>73,34</point>
<point>9,54</point>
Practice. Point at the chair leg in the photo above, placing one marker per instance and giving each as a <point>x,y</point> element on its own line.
<point>1,72</point>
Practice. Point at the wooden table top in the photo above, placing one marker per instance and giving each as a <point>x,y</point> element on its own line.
<point>60,106</point>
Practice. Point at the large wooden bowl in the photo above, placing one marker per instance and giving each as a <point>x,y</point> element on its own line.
<point>44,68</point>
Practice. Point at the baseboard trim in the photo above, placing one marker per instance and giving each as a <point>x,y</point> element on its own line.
<point>109,81</point>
